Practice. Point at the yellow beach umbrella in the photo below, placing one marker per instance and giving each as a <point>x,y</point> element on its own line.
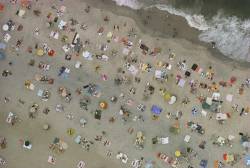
<point>167,96</point>
<point>39,52</point>
<point>177,153</point>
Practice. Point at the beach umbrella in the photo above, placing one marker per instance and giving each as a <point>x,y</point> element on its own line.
<point>177,153</point>
<point>51,53</point>
<point>5,27</point>
<point>167,96</point>
<point>39,52</point>
<point>156,109</point>
<point>103,105</point>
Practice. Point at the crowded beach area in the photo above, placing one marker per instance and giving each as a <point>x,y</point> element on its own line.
<point>84,87</point>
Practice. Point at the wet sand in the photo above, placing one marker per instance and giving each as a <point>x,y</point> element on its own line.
<point>13,87</point>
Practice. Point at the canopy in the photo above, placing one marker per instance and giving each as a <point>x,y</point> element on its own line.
<point>156,109</point>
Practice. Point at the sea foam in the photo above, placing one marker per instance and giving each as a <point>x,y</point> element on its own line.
<point>134,4</point>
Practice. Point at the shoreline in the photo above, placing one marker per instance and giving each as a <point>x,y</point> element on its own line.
<point>168,23</point>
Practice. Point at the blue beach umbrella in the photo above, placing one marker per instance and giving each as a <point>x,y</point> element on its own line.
<point>156,109</point>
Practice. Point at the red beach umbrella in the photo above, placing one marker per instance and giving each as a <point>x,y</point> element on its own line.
<point>233,79</point>
<point>51,53</point>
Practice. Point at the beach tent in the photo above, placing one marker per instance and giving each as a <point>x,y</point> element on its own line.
<point>156,110</point>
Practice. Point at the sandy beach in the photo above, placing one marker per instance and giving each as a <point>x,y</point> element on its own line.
<point>121,33</point>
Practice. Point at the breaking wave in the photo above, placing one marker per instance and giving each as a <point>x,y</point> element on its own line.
<point>134,4</point>
<point>230,34</point>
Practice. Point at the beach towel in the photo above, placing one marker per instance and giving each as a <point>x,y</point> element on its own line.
<point>181,83</point>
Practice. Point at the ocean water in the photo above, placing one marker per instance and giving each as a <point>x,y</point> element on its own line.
<point>225,22</point>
